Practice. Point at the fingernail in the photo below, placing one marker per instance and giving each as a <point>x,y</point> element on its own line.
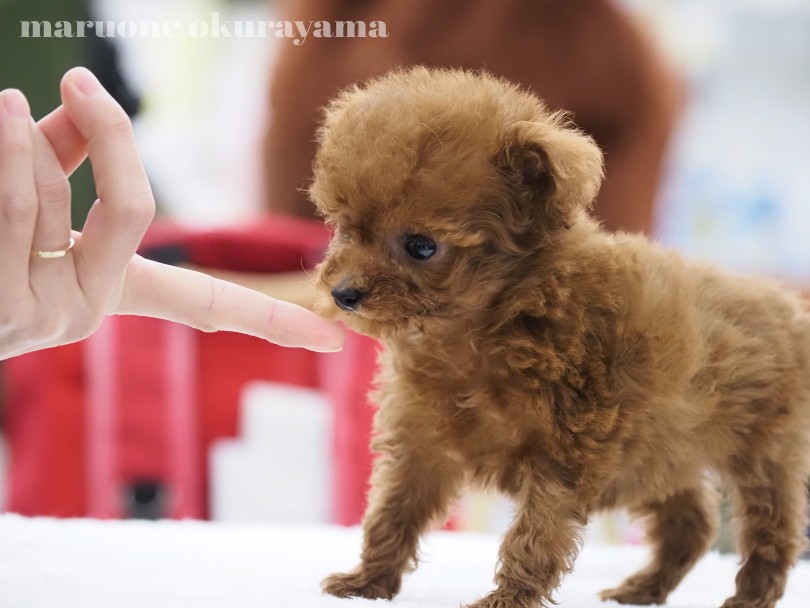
<point>15,104</point>
<point>84,80</point>
<point>329,349</point>
<point>335,345</point>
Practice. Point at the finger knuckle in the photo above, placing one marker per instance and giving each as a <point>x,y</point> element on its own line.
<point>53,190</point>
<point>117,123</point>
<point>48,326</point>
<point>18,207</point>
<point>82,327</point>
<point>216,292</point>
<point>12,317</point>
<point>15,145</point>
<point>139,211</point>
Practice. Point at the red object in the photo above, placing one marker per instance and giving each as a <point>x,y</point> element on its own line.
<point>144,399</point>
<point>346,378</point>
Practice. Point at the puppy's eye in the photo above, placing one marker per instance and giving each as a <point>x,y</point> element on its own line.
<point>420,247</point>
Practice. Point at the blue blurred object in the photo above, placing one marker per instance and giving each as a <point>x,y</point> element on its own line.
<point>738,188</point>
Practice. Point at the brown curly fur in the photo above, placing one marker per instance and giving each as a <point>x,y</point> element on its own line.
<point>572,369</point>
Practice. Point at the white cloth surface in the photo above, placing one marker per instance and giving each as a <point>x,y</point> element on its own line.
<point>47,563</point>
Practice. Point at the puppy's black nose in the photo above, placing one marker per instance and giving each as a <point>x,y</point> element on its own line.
<point>347,298</point>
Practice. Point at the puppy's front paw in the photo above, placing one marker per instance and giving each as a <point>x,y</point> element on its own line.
<point>360,583</point>
<point>499,599</point>
<point>634,594</point>
<point>740,602</point>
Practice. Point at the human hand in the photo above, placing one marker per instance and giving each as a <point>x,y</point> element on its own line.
<point>51,294</point>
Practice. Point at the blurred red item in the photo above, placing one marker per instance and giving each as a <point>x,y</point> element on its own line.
<point>80,431</point>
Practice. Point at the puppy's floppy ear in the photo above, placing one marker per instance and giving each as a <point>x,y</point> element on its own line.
<point>551,166</point>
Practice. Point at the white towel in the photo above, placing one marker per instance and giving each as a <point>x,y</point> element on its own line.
<point>47,563</point>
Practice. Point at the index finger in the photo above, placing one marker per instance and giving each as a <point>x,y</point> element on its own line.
<point>177,294</point>
<point>118,220</point>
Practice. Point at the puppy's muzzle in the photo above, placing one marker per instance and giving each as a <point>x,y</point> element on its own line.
<point>347,298</point>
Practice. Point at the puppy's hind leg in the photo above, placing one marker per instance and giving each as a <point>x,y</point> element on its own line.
<point>410,488</point>
<point>681,529</point>
<point>772,504</point>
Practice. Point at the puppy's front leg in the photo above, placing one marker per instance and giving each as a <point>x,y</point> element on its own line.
<point>410,488</point>
<point>538,549</point>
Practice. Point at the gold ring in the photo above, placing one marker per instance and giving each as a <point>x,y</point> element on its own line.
<point>50,255</point>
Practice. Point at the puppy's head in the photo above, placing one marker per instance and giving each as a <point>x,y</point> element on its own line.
<point>440,185</point>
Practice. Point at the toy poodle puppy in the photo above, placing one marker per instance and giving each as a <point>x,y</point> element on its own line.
<point>528,351</point>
